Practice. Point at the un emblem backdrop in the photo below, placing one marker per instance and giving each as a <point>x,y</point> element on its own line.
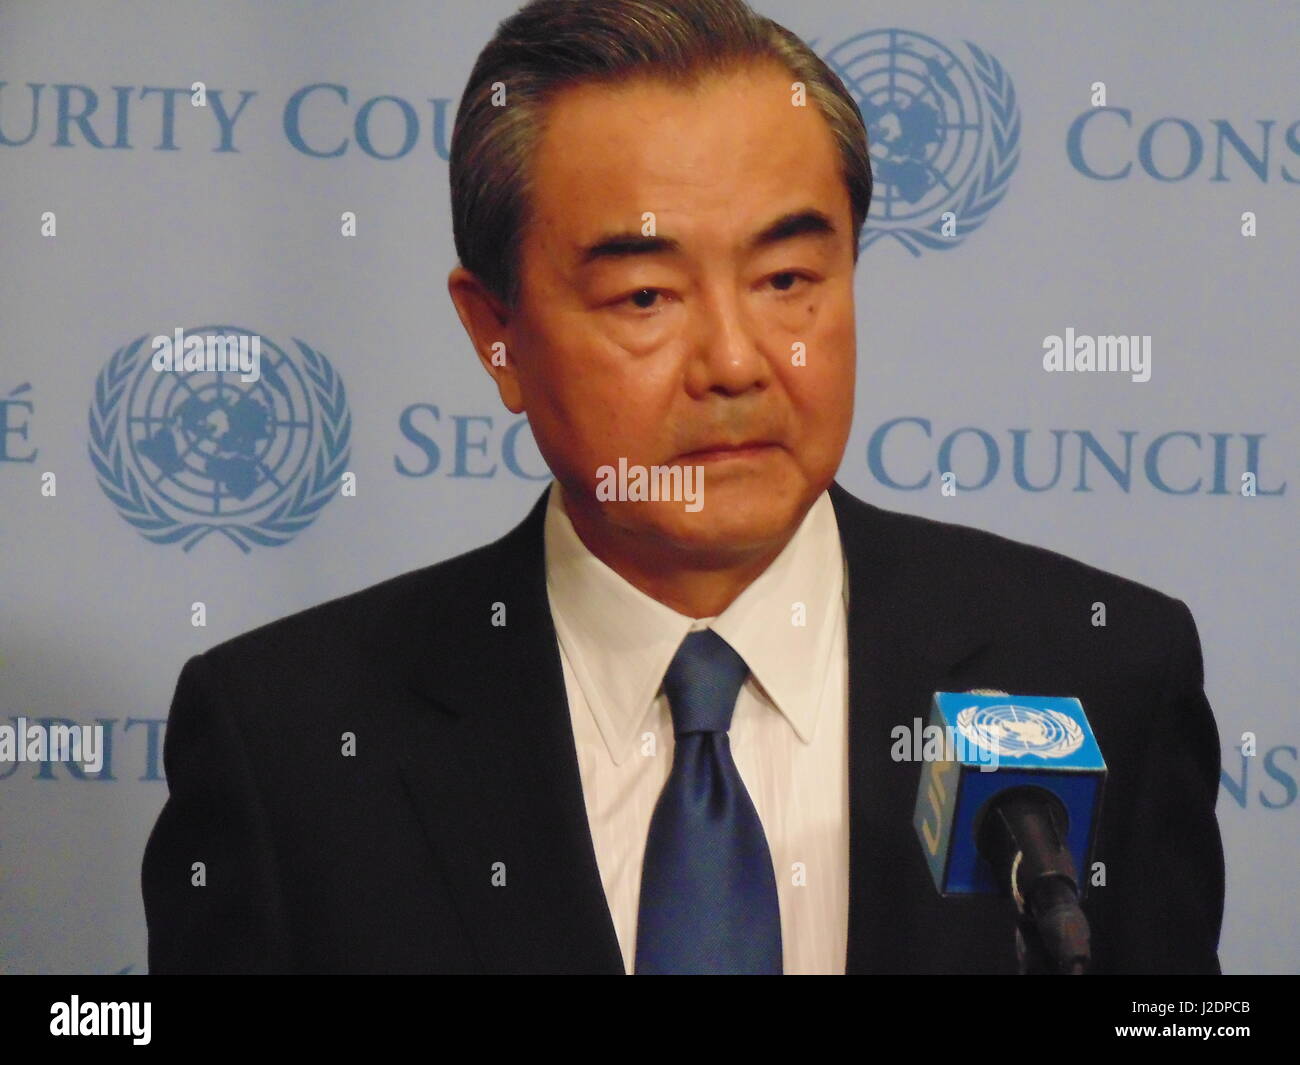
<point>184,452</point>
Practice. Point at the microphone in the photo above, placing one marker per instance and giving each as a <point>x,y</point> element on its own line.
<point>1008,804</point>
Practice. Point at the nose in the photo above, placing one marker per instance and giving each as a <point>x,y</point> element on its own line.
<point>727,354</point>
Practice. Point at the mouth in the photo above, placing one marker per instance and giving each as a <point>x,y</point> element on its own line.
<point>748,449</point>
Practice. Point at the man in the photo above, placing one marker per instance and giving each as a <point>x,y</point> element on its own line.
<point>653,735</point>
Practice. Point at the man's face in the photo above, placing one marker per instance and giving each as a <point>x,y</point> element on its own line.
<point>731,333</point>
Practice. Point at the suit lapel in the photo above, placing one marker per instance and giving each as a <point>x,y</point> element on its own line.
<point>908,636</point>
<point>491,766</point>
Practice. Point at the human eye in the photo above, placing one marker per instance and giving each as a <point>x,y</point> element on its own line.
<point>788,280</point>
<point>643,299</point>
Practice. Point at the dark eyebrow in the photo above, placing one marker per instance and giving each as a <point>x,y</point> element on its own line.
<point>794,224</point>
<point>622,245</point>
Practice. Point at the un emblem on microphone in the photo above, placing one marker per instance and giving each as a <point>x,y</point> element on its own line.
<point>190,449</point>
<point>1014,731</point>
<point>943,136</point>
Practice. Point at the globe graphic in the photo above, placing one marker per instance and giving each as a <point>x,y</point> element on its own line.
<point>924,118</point>
<point>214,445</point>
<point>1016,730</point>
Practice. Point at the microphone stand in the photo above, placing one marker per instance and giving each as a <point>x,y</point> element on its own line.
<point>1022,835</point>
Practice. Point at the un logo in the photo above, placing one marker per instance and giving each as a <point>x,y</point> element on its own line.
<point>1013,731</point>
<point>943,138</point>
<point>186,452</point>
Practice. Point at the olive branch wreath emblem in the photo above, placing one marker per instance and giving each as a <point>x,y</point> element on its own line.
<point>123,487</point>
<point>990,185</point>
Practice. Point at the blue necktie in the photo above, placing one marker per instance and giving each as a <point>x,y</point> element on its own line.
<point>708,892</point>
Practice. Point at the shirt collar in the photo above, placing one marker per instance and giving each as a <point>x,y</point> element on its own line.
<point>620,641</point>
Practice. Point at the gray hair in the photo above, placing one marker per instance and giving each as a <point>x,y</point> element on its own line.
<point>550,45</point>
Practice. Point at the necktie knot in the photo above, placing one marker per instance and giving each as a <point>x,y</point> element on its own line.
<point>702,683</point>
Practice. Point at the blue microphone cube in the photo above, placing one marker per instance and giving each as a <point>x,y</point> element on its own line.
<point>979,745</point>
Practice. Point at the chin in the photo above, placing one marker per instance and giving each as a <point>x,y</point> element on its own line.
<point>729,523</point>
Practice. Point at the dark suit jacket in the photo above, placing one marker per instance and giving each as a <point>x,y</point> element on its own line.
<point>464,758</point>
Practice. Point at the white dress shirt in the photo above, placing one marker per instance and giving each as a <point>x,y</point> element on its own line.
<point>789,733</point>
